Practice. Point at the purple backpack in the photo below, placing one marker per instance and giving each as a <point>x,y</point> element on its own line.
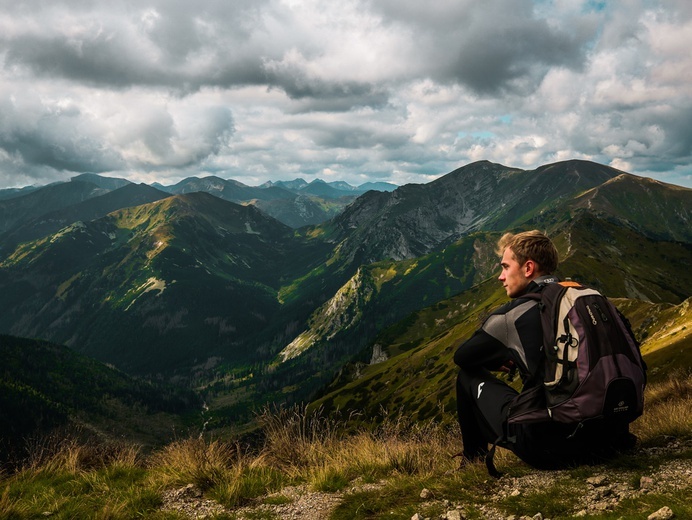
<point>593,367</point>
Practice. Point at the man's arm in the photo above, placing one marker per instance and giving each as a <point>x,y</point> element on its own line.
<point>483,351</point>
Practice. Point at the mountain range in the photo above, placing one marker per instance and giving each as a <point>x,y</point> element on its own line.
<point>185,284</point>
<point>295,203</point>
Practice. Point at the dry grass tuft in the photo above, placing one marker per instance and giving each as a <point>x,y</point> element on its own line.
<point>667,409</point>
<point>59,452</point>
<point>295,439</point>
<point>316,449</point>
<point>195,461</point>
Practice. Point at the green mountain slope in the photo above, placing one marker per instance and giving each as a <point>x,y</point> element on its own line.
<point>650,207</point>
<point>417,374</point>
<point>176,283</point>
<point>382,293</point>
<point>44,386</point>
<point>622,262</point>
<point>126,196</point>
<point>44,200</point>
<point>659,209</point>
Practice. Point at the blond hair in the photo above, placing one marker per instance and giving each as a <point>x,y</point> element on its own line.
<point>531,245</point>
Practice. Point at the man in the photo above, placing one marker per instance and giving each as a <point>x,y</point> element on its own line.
<point>511,337</point>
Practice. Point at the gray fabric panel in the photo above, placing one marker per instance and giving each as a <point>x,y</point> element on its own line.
<point>502,328</point>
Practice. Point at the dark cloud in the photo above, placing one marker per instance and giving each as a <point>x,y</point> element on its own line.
<point>314,95</point>
<point>54,140</point>
<point>98,61</point>
<point>357,137</point>
<point>492,46</point>
<point>492,61</point>
<point>677,127</point>
<point>177,44</point>
<point>112,63</point>
<point>59,153</point>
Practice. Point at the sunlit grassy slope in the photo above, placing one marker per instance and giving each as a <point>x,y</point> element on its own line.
<point>157,286</point>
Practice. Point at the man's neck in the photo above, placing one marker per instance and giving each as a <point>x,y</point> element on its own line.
<point>537,282</point>
<point>545,279</point>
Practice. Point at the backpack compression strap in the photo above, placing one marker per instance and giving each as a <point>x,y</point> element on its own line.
<point>490,463</point>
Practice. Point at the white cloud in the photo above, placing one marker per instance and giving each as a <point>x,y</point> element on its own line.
<point>389,90</point>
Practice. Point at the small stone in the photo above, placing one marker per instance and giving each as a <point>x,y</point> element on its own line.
<point>515,493</point>
<point>598,480</point>
<point>581,513</point>
<point>417,516</point>
<point>426,494</point>
<point>604,492</point>
<point>454,515</point>
<point>190,491</point>
<point>646,483</point>
<point>664,513</point>
<point>538,516</point>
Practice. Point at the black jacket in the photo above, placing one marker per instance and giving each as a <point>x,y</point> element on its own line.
<point>512,332</point>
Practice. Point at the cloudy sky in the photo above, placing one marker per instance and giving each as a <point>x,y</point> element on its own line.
<point>355,90</point>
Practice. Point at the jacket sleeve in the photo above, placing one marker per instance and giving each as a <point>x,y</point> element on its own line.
<point>481,351</point>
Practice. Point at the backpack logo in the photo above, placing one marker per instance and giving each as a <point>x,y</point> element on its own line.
<point>480,389</point>
<point>621,407</point>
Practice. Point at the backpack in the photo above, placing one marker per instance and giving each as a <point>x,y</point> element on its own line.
<point>593,369</point>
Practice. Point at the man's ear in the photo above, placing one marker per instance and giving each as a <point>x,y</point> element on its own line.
<point>529,269</point>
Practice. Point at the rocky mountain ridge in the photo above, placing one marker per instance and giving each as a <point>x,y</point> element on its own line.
<point>295,203</point>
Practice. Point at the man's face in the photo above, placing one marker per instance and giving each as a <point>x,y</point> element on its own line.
<point>513,276</point>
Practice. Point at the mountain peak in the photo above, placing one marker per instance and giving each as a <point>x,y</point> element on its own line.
<point>109,183</point>
<point>205,208</point>
<point>580,170</point>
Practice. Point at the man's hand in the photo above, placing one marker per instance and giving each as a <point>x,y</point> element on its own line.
<point>509,368</point>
